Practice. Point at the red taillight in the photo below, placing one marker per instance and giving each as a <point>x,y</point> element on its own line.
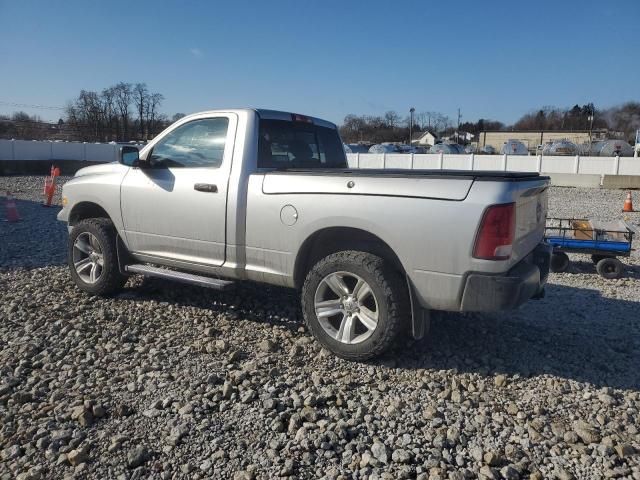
<point>495,236</point>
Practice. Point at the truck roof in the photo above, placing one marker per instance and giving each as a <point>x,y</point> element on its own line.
<point>267,114</point>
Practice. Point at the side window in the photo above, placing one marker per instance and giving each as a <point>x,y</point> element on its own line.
<point>195,144</point>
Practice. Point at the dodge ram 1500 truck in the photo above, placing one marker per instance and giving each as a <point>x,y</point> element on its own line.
<point>268,196</point>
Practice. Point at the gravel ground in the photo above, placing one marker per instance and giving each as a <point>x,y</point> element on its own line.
<point>168,381</point>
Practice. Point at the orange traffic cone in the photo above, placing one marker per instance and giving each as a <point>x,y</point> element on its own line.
<point>49,190</point>
<point>50,186</point>
<point>12,211</point>
<point>628,204</point>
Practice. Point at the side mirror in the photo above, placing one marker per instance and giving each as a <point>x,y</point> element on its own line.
<point>129,156</point>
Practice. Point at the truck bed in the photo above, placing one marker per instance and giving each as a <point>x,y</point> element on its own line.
<point>434,184</point>
<point>493,175</point>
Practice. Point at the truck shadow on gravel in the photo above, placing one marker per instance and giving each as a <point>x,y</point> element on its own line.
<point>573,333</point>
<point>245,301</point>
<point>37,240</point>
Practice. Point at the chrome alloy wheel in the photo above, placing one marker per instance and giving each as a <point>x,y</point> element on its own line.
<point>346,307</point>
<point>88,259</point>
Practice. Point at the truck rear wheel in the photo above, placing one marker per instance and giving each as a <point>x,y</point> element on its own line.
<point>355,303</point>
<point>93,260</point>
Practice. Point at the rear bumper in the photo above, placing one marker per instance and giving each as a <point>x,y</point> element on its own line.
<point>490,293</point>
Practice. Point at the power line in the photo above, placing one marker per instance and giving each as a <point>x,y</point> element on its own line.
<point>40,122</point>
<point>69,124</point>
<point>26,105</point>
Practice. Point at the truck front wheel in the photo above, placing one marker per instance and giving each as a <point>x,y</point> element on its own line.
<point>93,260</point>
<point>355,304</point>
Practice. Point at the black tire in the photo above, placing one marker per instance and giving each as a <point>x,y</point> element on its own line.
<point>610,268</point>
<point>388,288</point>
<point>110,279</point>
<point>596,258</point>
<point>559,262</point>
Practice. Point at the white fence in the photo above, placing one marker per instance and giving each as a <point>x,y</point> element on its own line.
<point>516,163</point>
<point>35,150</point>
<point>108,152</point>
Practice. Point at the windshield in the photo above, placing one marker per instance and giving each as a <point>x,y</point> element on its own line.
<point>288,144</point>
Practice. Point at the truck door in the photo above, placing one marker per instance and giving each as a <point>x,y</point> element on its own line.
<point>175,206</point>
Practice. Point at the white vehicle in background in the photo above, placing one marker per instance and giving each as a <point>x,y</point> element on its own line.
<point>560,147</point>
<point>385,148</point>
<point>452,148</point>
<point>514,147</point>
<point>611,148</point>
<point>488,150</point>
<point>418,149</point>
<point>412,149</point>
<point>359,147</point>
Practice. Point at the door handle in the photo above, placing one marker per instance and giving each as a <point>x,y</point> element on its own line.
<point>206,187</point>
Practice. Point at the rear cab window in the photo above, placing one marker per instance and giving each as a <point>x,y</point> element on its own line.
<point>299,145</point>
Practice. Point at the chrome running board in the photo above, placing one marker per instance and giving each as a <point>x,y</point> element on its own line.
<point>183,277</point>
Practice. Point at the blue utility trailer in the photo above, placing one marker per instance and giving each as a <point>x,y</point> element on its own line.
<point>604,241</point>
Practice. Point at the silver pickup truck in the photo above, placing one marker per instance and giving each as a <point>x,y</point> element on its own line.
<point>267,196</point>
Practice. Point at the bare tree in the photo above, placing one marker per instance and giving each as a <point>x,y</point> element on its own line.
<point>433,121</point>
<point>26,127</point>
<point>90,109</point>
<point>123,95</point>
<point>140,94</point>
<point>111,114</point>
<point>107,98</point>
<point>392,119</point>
<point>624,118</point>
<point>154,102</point>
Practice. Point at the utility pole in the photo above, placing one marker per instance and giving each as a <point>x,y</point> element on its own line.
<point>590,118</point>
<point>411,110</point>
<point>458,129</point>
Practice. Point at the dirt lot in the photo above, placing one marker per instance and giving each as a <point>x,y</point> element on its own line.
<point>168,381</point>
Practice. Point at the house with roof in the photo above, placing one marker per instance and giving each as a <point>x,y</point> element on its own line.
<point>424,138</point>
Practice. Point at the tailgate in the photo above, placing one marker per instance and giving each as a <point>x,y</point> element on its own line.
<point>531,211</point>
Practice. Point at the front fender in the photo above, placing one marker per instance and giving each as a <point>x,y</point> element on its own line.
<point>96,186</point>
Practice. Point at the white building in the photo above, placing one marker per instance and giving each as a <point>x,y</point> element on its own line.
<point>424,138</point>
<point>464,137</point>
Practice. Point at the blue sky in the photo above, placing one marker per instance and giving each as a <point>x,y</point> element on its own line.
<point>493,59</point>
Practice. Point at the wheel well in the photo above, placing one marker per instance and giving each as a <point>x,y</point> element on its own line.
<point>336,239</point>
<point>84,210</point>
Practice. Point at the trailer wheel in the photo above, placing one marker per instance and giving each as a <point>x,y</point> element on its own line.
<point>610,268</point>
<point>559,262</point>
<point>596,258</point>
